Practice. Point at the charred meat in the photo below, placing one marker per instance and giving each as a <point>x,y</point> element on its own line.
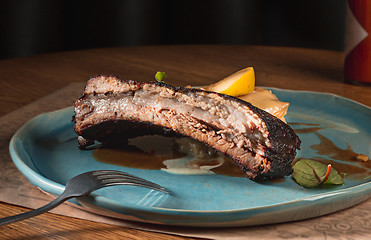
<point>112,108</point>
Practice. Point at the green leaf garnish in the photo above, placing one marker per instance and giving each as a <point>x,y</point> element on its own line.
<point>160,76</point>
<point>309,173</point>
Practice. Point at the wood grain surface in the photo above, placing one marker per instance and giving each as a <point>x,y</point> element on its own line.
<point>24,80</point>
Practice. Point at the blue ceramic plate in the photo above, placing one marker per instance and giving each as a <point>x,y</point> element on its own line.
<point>330,127</point>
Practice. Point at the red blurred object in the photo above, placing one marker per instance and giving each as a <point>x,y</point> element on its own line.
<point>357,65</point>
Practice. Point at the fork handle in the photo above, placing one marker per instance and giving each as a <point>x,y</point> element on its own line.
<point>35,212</point>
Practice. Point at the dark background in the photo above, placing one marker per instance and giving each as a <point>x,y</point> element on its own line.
<point>29,27</point>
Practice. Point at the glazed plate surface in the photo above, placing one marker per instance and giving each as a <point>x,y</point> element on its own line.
<point>45,151</point>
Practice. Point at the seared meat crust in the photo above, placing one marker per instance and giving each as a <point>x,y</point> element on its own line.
<point>112,108</point>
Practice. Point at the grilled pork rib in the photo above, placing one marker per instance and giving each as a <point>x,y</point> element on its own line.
<point>112,108</point>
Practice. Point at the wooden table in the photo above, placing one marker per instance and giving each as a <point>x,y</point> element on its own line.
<point>24,80</point>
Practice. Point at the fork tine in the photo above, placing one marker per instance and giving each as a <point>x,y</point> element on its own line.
<point>121,181</point>
<point>125,175</point>
<point>107,178</point>
<point>100,172</point>
<point>112,177</point>
<point>106,174</point>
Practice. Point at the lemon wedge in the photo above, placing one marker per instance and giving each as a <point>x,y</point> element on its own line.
<point>237,84</point>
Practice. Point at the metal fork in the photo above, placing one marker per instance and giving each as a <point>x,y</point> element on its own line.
<point>83,184</point>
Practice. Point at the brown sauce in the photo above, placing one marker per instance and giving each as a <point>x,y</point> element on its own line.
<point>343,160</point>
<point>303,124</point>
<point>328,148</point>
<point>130,156</point>
<point>163,148</point>
<point>132,159</point>
<point>314,127</point>
<point>307,130</point>
<point>277,180</point>
<point>229,168</point>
